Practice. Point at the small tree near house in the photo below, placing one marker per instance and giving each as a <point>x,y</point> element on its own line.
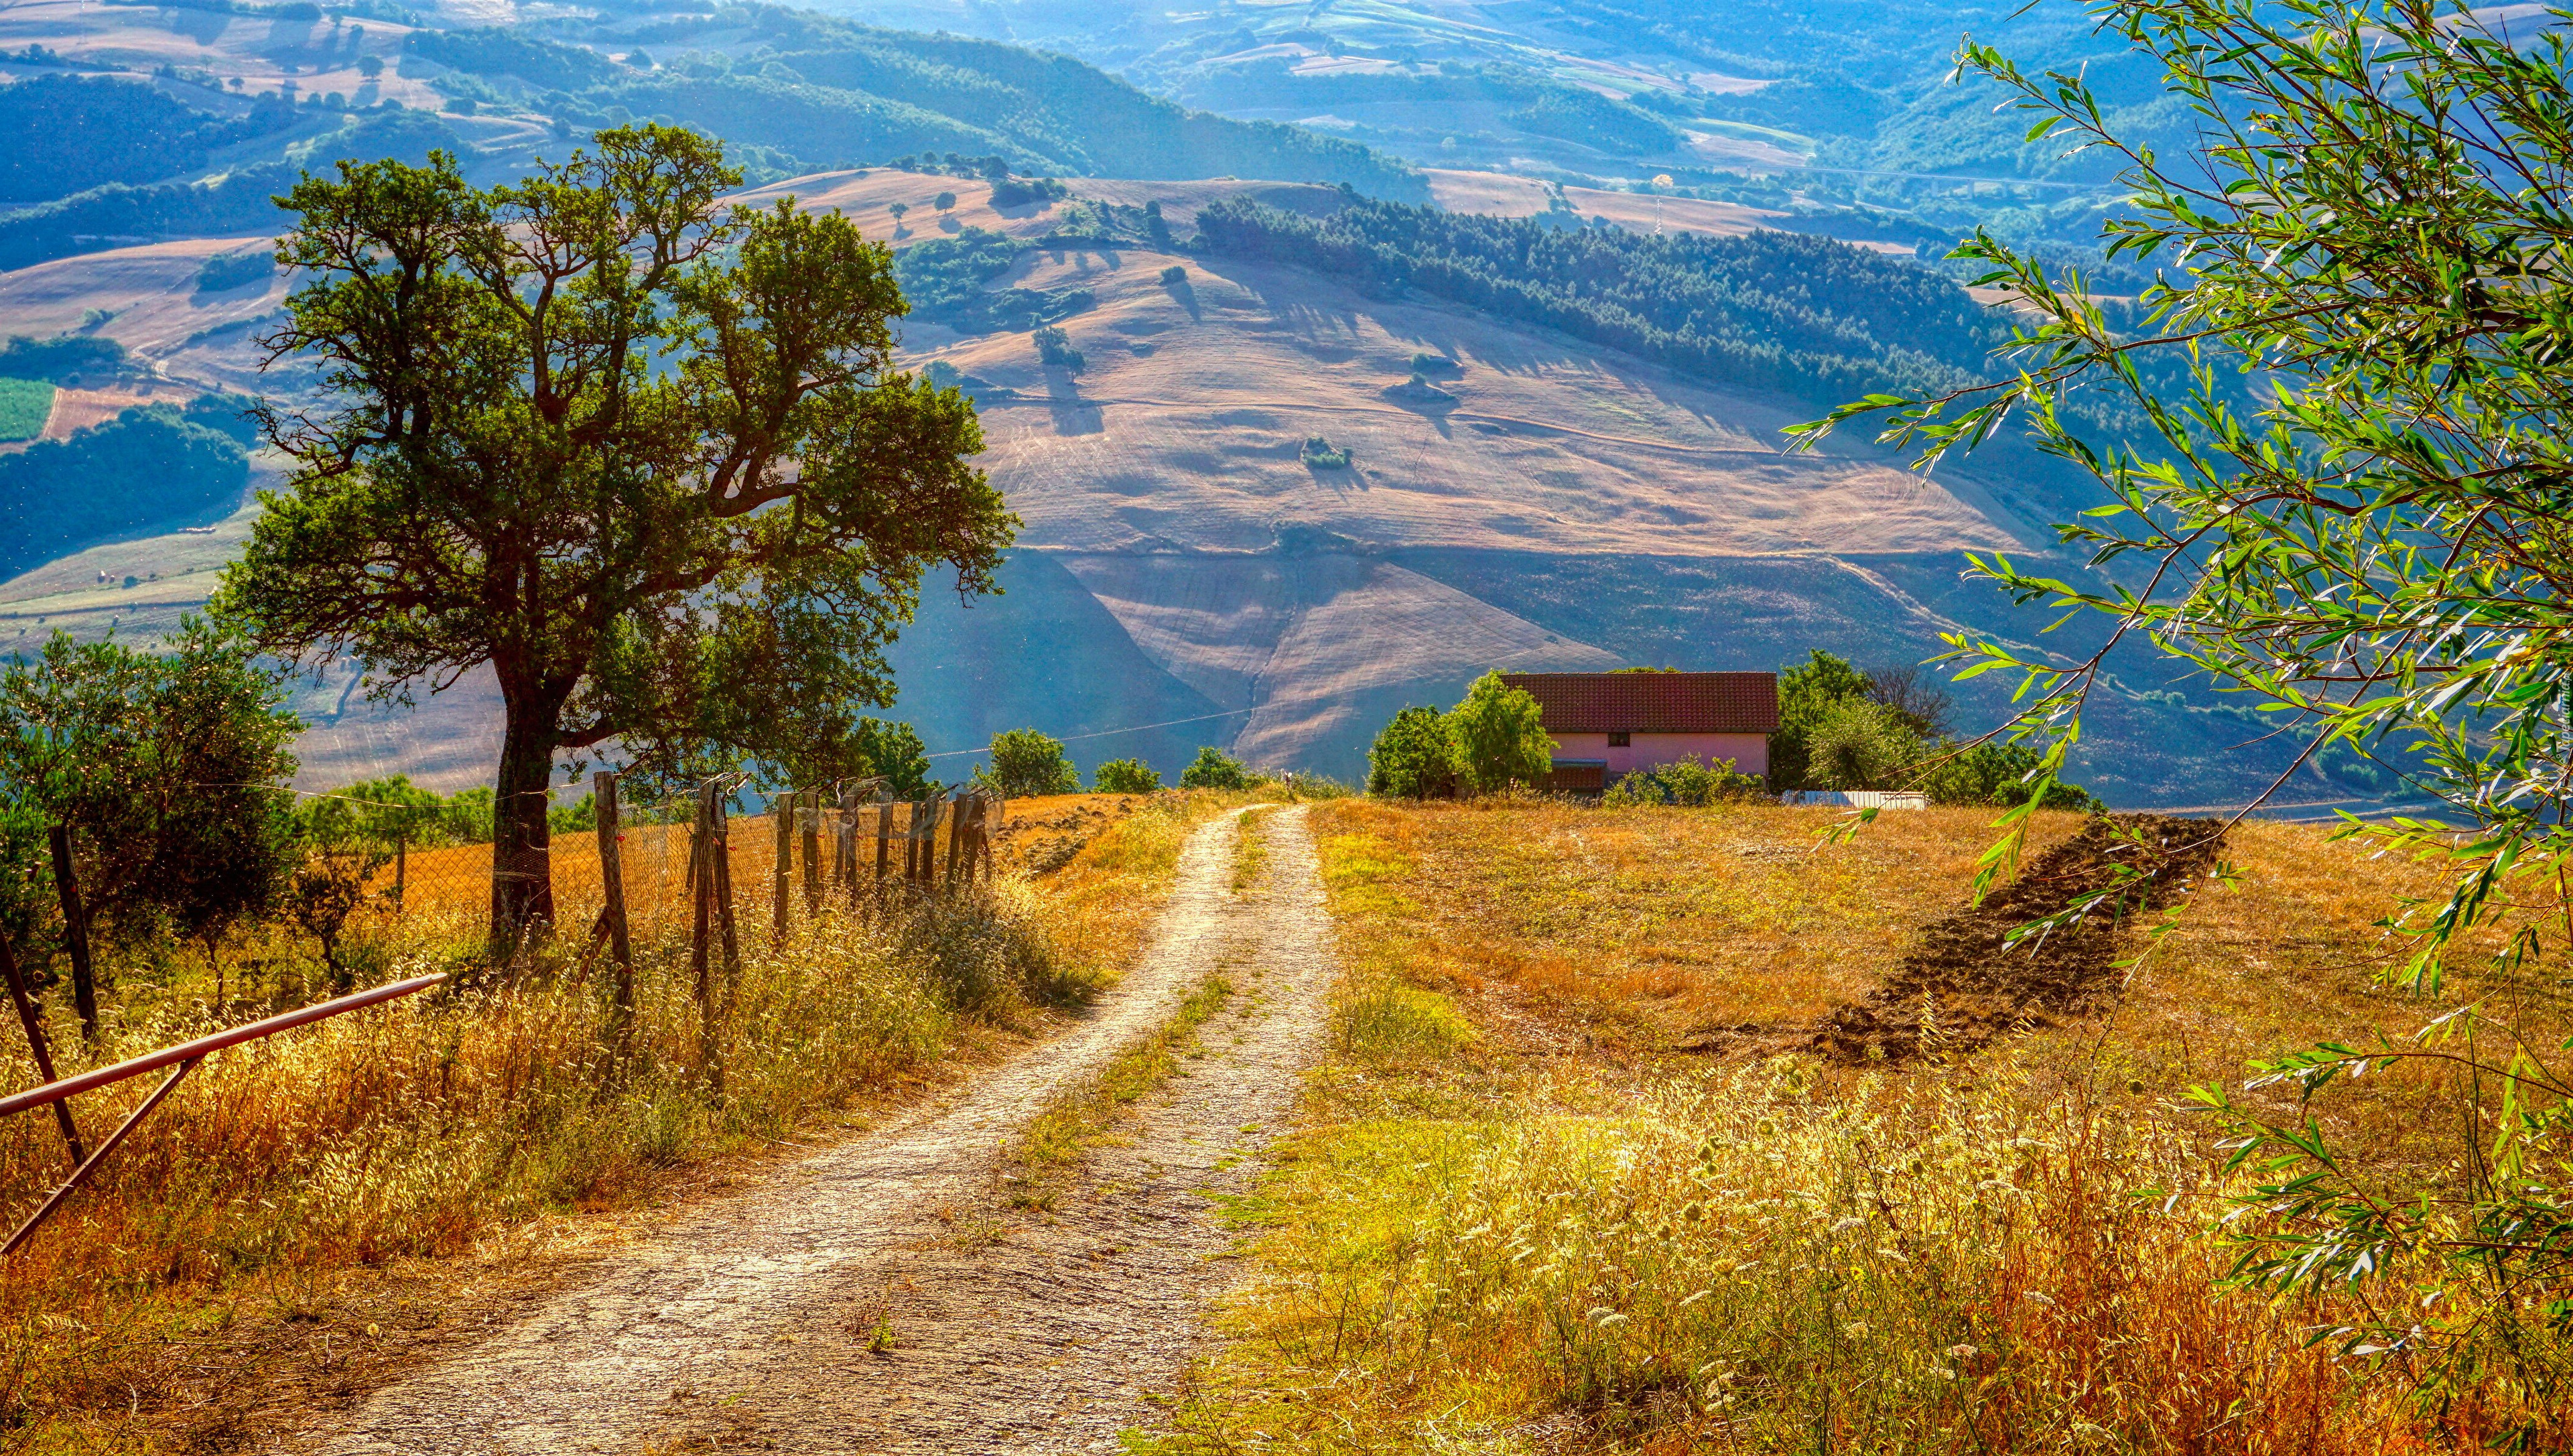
<point>1417,756</point>
<point>1501,732</point>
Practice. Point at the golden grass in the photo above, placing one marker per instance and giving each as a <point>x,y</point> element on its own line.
<point>1514,1219</point>
<point>298,1198</point>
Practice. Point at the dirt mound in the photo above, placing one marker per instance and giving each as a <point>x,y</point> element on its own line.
<point>1964,983</point>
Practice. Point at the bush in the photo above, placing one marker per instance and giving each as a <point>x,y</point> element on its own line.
<point>1998,774</point>
<point>944,202</point>
<point>1126,776</point>
<point>1417,756</point>
<point>1687,784</point>
<point>1026,762</point>
<point>1014,191</point>
<point>1861,744</point>
<point>1317,452</point>
<point>1501,733</point>
<point>1174,276</point>
<point>1216,769</point>
<point>1053,346</point>
<point>236,269</point>
<point>1435,363</point>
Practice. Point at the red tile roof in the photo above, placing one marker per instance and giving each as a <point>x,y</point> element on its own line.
<point>1653,702</point>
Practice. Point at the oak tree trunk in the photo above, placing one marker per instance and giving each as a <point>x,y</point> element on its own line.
<point>523,884</point>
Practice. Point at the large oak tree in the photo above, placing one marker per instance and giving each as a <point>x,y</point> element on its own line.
<point>644,458</point>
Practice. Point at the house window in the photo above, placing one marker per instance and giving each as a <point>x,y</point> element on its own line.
<point>1621,740</point>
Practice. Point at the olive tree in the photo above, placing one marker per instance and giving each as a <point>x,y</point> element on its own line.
<point>2375,543</point>
<point>643,459</point>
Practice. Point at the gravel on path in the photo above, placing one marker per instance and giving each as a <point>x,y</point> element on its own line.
<point>882,1295</point>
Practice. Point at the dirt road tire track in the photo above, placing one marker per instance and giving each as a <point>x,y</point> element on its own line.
<point>749,1322</point>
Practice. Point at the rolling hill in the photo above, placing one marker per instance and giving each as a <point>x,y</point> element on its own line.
<point>1190,574</point>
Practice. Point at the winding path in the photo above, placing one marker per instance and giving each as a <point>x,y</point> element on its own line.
<point>882,1295</point>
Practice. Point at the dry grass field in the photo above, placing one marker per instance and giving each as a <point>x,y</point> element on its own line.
<point>308,1214</point>
<point>1576,1179</point>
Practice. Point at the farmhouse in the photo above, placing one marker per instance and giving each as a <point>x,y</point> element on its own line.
<point>1605,724</point>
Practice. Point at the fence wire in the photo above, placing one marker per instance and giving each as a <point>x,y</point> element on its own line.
<point>834,853</point>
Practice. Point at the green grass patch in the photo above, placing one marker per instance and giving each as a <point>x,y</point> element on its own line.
<point>25,404</point>
<point>1055,1140</point>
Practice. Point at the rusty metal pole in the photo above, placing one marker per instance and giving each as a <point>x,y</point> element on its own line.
<point>35,1026</point>
<point>75,933</point>
<point>46,1209</point>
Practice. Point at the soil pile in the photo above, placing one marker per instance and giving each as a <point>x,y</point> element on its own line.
<point>1965,983</point>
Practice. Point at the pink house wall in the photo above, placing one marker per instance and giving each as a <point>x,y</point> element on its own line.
<point>1749,751</point>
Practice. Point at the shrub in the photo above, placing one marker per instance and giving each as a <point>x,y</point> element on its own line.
<point>1998,774</point>
<point>1417,756</point>
<point>1126,776</point>
<point>1174,276</point>
<point>1688,784</point>
<point>1014,191</point>
<point>1435,363</point>
<point>1500,734</point>
<point>1026,762</point>
<point>236,269</point>
<point>1214,769</point>
<point>944,202</point>
<point>1860,744</point>
<point>1055,347</point>
<point>1317,452</point>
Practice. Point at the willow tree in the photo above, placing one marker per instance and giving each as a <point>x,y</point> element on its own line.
<point>2375,224</point>
<point>644,458</point>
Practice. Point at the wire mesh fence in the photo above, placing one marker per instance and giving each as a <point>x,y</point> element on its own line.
<point>848,847</point>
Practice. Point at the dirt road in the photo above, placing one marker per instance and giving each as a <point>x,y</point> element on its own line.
<point>883,1295</point>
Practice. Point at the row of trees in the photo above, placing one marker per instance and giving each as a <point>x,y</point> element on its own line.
<point>1026,762</point>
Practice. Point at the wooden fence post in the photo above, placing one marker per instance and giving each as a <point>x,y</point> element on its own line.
<point>723,895</point>
<point>956,836</point>
<point>701,896</point>
<point>781,808</point>
<point>75,933</point>
<point>808,824</point>
<point>884,848</point>
<point>844,847</point>
<point>401,870</point>
<point>612,884</point>
<point>36,1044</point>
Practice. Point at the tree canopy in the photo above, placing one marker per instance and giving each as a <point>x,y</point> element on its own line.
<point>2374,547</point>
<point>645,461</point>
